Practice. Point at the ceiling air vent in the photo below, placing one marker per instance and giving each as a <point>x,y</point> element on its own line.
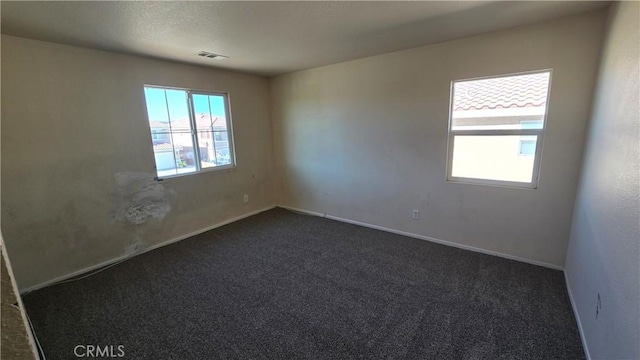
<point>212,55</point>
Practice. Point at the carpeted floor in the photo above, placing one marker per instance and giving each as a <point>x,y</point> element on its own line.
<point>280,285</point>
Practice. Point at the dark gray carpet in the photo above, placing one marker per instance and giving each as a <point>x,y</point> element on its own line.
<point>280,285</point>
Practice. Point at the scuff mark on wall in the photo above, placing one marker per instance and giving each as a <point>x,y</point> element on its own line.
<point>135,242</point>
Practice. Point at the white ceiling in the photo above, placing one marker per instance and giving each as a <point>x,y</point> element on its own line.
<point>269,38</point>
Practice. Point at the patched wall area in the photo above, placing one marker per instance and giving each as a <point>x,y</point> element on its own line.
<point>78,163</point>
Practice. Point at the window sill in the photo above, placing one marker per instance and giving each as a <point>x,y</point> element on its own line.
<point>217,169</point>
<point>493,183</point>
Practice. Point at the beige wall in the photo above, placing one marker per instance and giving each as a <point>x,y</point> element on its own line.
<point>366,140</point>
<point>363,140</point>
<point>604,251</point>
<point>77,157</point>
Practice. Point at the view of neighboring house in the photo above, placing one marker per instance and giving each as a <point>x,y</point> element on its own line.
<point>487,114</point>
<point>173,144</point>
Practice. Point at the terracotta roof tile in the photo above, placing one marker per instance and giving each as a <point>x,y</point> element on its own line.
<point>163,147</point>
<point>519,91</point>
<point>158,124</point>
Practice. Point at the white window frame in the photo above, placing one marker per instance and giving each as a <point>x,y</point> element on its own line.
<point>194,130</point>
<point>498,132</point>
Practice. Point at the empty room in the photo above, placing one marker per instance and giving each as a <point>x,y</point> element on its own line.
<point>320,180</point>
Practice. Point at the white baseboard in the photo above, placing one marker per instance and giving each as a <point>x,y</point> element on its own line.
<point>428,238</point>
<point>304,212</point>
<point>185,236</point>
<point>577,316</point>
<point>197,232</point>
<point>153,247</point>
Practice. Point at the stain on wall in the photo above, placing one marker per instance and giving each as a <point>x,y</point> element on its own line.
<point>78,191</point>
<point>139,198</point>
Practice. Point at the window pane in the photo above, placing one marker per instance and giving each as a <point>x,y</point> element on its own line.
<point>168,115</point>
<point>178,105</point>
<point>218,113</point>
<point>214,148</point>
<point>176,119</point>
<point>210,112</point>
<point>156,105</point>
<point>508,102</point>
<point>207,149</point>
<point>164,156</point>
<point>202,111</point>
<point>223,153</point>
<point>217,105</point>
<point>223,157</point>
<point>493,158</point>
<point>527,145</point>
<point>183,147</point>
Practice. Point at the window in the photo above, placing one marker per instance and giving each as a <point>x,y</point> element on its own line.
<point>527,146</point>
<point>190,130</point>
<point>496,129</point>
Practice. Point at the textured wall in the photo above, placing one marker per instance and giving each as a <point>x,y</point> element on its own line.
<point>604,251</point>
<point>366,140</point>
<point>77,163</point>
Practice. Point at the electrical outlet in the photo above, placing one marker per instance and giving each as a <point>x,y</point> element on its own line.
<point>415,215</point>
<point>246,198</point>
